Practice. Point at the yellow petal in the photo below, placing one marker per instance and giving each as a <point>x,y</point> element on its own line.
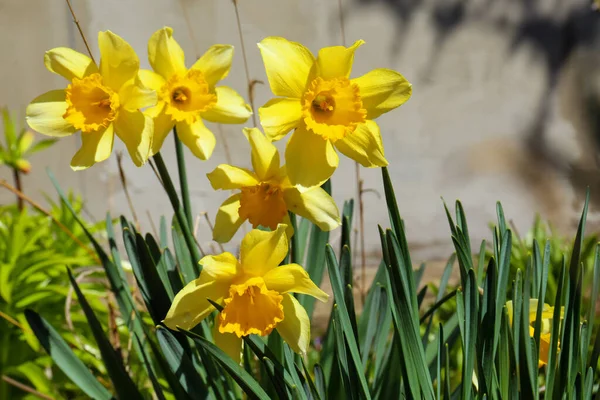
<point>69,63</point>
<point>265,156</point>
<point>221,267</point>
<point>295,327</point>
<point>231,108</point>
<point>382,90</point>
<point>228,219</point>
<point>228,177</point>
<point>165,55</point>
<point>118,61</point>
<point>135,130</point>
<point>364,145</point>
<point>135,96</point>
<point>215,63</point>
<point>45,114</point>
<point>95,147</point>
<point>228,342</point>
<point>197,138</point>
<point>262,251</point>
<point>310,159</point>
<point>190,306</point>
<point>315,205</point>
<point>336,61</point>
<point>162,126</point>
<point>292,278</point>
<point>288,65</point>
<point>151,79</point>
<point>279,116</point>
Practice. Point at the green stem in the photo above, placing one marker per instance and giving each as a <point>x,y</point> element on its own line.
<point>185,191</point>
<point>179,214</point>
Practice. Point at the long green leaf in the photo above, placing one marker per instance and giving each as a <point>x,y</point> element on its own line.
<point>64,357</point>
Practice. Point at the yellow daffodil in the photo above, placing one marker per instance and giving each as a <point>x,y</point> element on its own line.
<point>187,96</point>
<point>254,291</point>
<point>327,109</point>
<point>545,329</point>
<point>266,194</point>
<point>99,101</point>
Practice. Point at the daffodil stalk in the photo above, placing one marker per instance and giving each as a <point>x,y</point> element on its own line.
<point>185,191</point>
<point>179,212</point>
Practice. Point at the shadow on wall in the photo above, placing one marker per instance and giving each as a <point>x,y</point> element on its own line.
<point>566,36</point>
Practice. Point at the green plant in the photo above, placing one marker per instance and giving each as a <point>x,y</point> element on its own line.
<point>35,248</point>
<point>392,350</point>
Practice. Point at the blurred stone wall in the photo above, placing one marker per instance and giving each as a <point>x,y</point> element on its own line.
<point>503,106</point>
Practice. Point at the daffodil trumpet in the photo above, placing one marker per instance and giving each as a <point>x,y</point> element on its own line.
<point>254,291</point>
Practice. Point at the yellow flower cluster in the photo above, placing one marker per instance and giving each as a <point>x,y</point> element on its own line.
<point>327,110</point>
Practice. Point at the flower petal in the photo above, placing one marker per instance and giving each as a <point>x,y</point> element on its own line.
<point>151,79</point>
<point>382,90</point>
<point>292,278</point>
<point>295,327</point>
<point>135,96</point>
<point>162,126</point>
<point>118,61</point>
<point>221,267</point>
<point>228,219</point>
<point>310,159</point>
<point>215,63</point>
<point>197,138</point>
<point>95,147</point>
<point>364,145</point>
<point>314,204</point>
<point>265,156</point>
<point>228,342</point>
<point>228,177</point>
<point>69,63</point>
<point>262,251</point>
<point>231,108</point>
<point>45,114</point>
<point>279,116</point>
<point>165,55</point>
<point>135,130</point>
<point>336,61</point>
<point>190,306</point>
<point>288,65</point>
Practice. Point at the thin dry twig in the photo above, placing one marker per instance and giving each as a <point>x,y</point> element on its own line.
<point>188,24</point>
<point>152,226</point>
<point>342,30</point>
<point>80,31</point>
<point>126,189</point>
<point>26,388</point>
<point>85,272</point>
<point>56,221</point>
<point>12,320</point>
<point>225,145</point>
<point>251,82</point>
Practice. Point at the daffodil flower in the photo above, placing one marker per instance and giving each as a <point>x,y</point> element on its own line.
<point>327,109</point>
<point>187,96</point>
<point>99,101</point>
<point>266,194</point>
<point>545,329</point>
<point>255,292</point>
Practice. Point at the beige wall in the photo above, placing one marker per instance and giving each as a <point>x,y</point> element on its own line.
<point>477,92</point>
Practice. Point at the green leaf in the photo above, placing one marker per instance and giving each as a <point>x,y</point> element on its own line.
<point>248,384</point>
<point>189,271</point>
<point>122,382</point>
<point>155,384</point>
<point>10,132</point>
<point>345,322</point>
<point>64,357</point>
<point>181,365</point>
<point>39,146</point>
